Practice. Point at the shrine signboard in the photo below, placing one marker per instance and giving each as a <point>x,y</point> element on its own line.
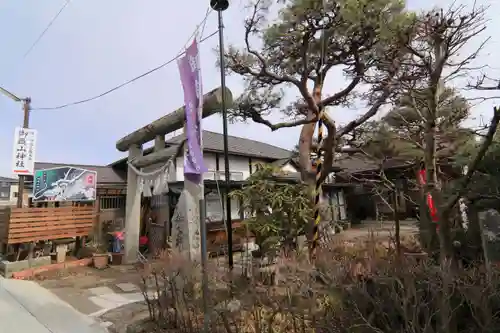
<point>23,158</point>
<point>64,184</point>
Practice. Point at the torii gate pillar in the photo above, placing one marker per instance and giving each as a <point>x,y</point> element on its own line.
<point>133,210</point>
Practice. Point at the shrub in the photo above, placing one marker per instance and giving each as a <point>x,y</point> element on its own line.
<point>358,287</point>
<point>277,211</point>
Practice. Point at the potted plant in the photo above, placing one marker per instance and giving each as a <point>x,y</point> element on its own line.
<point>100,255</point>
<point>100,258</point>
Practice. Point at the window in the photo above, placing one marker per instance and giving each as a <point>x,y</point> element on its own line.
<point>236,176</point>
<point>400,186</point>
<point>210,175</point>
<point>214,210</point>
<point>16,194</point>
<point>339,206</point>
<point>235,209</point>
<point>158,201</point>
<point>221,175</point>
<point>4,195</point>
<point>330,178</point>
<point>112,202</point>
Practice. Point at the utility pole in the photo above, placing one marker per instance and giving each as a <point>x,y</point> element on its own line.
<point>26,124</point>
<point>219,6</point>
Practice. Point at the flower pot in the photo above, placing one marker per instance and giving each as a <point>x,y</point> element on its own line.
<point>100,260</point>
<point>116,258</point>
<point>257,254</point>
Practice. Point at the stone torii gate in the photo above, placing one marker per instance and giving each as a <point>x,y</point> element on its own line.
<point>133,143</point>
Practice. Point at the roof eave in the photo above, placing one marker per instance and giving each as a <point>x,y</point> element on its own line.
<point>216,151</point>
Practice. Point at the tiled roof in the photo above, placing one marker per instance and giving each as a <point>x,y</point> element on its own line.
<point>8,180</point>
<point>214,142</point>
<point>105,174</point>
<point>283,161</point>
<point>355,164</point>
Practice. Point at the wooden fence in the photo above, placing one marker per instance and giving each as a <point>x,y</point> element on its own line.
<point>24,225</point>
<point>4,221</point>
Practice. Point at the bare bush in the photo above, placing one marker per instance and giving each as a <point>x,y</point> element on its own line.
<point>357,287</point>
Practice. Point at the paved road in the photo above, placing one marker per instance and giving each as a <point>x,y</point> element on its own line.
<point>27,307</point>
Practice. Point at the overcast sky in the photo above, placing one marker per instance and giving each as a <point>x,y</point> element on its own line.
<point>97,44</point>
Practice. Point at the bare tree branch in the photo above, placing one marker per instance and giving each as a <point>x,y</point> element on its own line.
<point>485,83</point>
<point>258,119</point>
<point>370,113</point>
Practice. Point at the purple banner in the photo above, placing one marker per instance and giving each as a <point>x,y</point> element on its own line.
<point>189,67</point>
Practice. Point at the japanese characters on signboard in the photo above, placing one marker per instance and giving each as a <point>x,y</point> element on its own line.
<point>23,161</point>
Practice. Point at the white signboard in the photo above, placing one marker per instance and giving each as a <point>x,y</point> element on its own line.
<point>23,159</point>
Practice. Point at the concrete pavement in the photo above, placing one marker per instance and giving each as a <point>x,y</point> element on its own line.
<point>27,307</point>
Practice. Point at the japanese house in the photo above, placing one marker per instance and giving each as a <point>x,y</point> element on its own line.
<point>8,191</point>
<point>370,199</point>
<point>244,154</point>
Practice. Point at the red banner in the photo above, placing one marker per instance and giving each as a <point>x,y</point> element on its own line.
<point>430,203</point>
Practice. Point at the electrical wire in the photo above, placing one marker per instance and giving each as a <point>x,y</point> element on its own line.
<point>204,23</point>
<point>46,29</point>
<point>107,92</point>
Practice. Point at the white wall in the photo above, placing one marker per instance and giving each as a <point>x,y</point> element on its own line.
<point>208,158</point>
<point>241,164</point>
<point>14,188</point>
<point>289,168</point>
<point>237,164</point>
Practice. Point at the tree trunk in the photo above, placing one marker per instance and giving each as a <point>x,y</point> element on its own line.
<point>427,229</point>
<point>433,187</point>
<point>448,263</point>
<point>397,225</point>
<point>305,146</point>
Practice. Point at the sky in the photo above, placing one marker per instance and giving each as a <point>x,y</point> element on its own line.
<point>96,45</point>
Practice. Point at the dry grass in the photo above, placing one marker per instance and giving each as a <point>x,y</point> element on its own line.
<point>353,287</point>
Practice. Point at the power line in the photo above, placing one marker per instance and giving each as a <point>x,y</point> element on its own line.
<point>203,24</point>
<point>123,84</point>
<point>46,29</point>
<point>107,92</point>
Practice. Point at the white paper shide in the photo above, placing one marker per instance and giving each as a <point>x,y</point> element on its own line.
<point>23,161</point>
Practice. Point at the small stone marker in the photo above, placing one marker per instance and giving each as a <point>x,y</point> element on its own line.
<point>127,287</point>
<point>106,324</point>
<point>491,232</point>
<point>99,291</point>
<point>185,223</point>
